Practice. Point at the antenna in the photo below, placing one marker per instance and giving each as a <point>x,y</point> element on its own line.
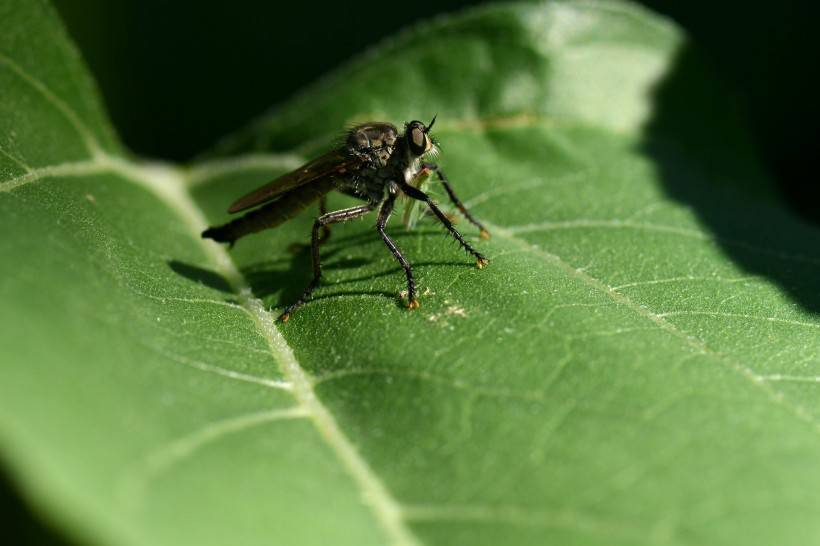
<point>430,125</point>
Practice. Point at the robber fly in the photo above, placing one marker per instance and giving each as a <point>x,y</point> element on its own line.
<point>376,164</point>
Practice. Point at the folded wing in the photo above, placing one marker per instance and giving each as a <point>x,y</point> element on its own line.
<point>330,165</point>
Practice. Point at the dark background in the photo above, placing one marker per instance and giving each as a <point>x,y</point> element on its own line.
<point>176,76</point>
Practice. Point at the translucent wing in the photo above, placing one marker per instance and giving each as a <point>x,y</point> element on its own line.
<point>331,164</point>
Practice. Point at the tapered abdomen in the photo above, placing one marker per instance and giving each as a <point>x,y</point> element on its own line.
<point>270,215</point>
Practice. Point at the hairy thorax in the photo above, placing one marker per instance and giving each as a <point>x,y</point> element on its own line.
<point>384,167</point>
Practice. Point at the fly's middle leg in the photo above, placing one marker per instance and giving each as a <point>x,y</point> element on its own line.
<point>384,215</point>
<point>298,248</point>
<point>322,221</point>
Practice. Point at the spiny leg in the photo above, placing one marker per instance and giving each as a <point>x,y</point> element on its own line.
<point>324,220</point>
<point>416,193</point>
<point>456,201</point>
<point>297,248</point>
<point>384,215</point>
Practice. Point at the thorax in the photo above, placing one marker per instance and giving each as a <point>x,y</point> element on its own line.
<point>378,178</point>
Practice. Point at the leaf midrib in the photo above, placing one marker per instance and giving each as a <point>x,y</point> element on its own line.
<point>173,191</point>
<point>169,184</point>
<point>180,200</point>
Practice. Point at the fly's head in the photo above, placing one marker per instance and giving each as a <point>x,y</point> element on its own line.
<point>418,139</point>
<point>418,143</point>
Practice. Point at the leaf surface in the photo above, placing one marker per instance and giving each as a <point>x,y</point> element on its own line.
<point>637,365</point>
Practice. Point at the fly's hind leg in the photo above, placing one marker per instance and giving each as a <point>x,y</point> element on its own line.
<point>384,215</point>
<point>322,221</point>
<point>298,248</point>
<point>325,228</point>
<point>456,201</point>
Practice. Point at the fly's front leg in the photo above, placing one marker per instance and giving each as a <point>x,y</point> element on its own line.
<point>322,221</point>
<point>456,201</point>
<point>384,215</point>
<point>416,193</point>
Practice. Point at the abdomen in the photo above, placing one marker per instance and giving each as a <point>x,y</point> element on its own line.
<point>270,215</point>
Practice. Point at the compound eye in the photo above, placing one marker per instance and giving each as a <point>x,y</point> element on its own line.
<point>418,138</point>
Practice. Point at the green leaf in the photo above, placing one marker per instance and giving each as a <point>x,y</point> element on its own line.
<point>637,365</point>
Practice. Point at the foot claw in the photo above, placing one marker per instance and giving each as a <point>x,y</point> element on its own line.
<point>482,262</point>
<point>484,234</point>
<point>413,304</point>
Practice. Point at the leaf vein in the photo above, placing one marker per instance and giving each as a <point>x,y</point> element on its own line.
<point>688,278</point>
<point>773,395</point>
<point>85,134</point>
<point>739,315</point>
<point>75,168</point>
<point>659,228</point>
<point>133,486</point>
<point>169,185</point>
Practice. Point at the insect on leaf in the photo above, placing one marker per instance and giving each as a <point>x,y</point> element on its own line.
<point>636,366</point>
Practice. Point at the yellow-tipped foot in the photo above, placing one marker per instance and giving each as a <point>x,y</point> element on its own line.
<point>481,262</point>
<point>284,317</point>
<point>413,304</point>
<point>484,234</point>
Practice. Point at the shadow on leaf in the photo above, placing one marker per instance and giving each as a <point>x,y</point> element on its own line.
<point>201,275</point>
<point>25,526</point>
<point>283,279</point>
<point>706,161</point>
<point>288,283</point>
